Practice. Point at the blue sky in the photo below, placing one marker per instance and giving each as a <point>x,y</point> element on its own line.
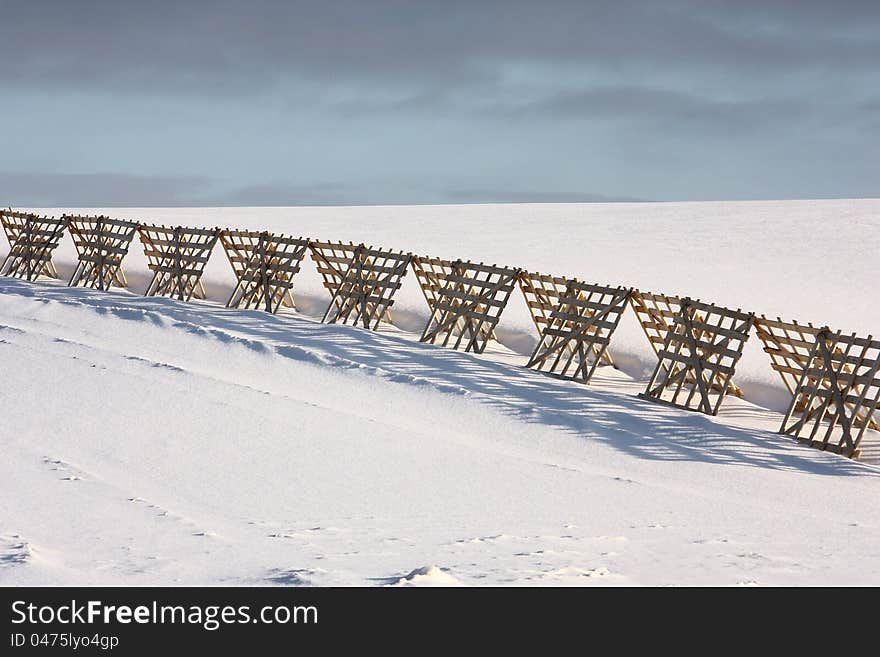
<point>285,103</point>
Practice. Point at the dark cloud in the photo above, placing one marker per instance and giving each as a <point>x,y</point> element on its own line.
<point>476,97</point>
<point>680,111</point>
<point>229,47</point>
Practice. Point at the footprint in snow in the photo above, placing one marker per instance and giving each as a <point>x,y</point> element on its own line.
<point>14,550</point>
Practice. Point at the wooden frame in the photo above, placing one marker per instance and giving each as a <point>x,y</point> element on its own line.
<point>656,313</point>
<point>365,293</point>
<point>469,305</point>
<point>838,391</point>
<point>101,243</point>
<point>32,240</point>
<point>542,293</point>
<point>577,331</point>
<point>699,356</point>
<point>332,260</point>
<point>431,274</point>
<point>789,345</point>
<point>264,264</point>
<point>177,257</point>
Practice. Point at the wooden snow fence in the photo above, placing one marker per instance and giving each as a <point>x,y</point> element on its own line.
<point>32,239</point>
<point>542,293</point>
<point>177,257</point>
<point>264,264</point>
<point>431,273</point>
<point>656,314</point>
<point>364,292</point>
<point>833,378</point>
<point>789,345</point>
<point>469,304</point>
<point>101,244</point>
<point>577,330</point>
<point>698,357</point>
<point>332,260</point>
<point>837,392</point>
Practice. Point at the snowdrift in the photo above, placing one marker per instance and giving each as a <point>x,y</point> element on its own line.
<point>812,261</point>
<point>148,441</point>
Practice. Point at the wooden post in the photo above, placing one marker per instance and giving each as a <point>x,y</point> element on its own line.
<point>178,276</point>
<point>28,248</point>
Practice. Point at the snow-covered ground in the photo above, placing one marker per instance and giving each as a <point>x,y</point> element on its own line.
<point>813,261</point>
<point>147,441</point>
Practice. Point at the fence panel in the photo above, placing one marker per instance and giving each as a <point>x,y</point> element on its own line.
<point>365,293</point>
<point>177,257</point>
<point>578,329</point>
<point>265,265</point>
<point>837,393</point>
<point>656,314</point>
<point>542,293</point>
<point>699,356</point>
<point>101,243</point>
<point>469,305</point>
<point>32,240</point>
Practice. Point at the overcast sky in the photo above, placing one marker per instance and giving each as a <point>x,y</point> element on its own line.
<point>401,101</point>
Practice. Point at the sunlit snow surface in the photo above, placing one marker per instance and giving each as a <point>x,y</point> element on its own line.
<point>147,441</point>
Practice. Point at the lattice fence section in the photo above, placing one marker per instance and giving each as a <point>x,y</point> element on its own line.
<point>542,293</point>
<point>837,393</point>
<point>699,356</point>
<point>264,264</point>
<point>469,305</point>
<point>789,345</point>
<point>32,239</point>
<point>431,274</point>
<point>332,260</point>
<point>177,257</point>
<point>577,331</point>
<point>656,314</point>
<point>365,294</point>
<point>101,243</point>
